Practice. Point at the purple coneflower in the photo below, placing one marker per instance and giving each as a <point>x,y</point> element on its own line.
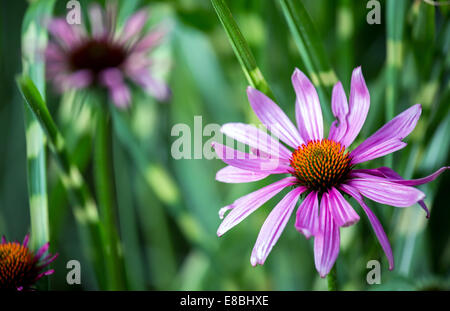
<point>21,268</point>
<point>105,57</point>
<point>320,168</point>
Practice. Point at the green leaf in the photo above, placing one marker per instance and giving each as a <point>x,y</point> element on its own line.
<point>311,51</point>
<point>241,48</point>
<point>34,39</point>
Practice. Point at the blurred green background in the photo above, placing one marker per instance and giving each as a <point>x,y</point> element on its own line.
<point>168,209</point>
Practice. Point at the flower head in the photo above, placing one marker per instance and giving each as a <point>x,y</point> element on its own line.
<point>21,268</point>
<point>105,57</point>
<point>320,168</point>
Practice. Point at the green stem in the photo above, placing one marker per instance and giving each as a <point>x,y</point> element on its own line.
<point>104,178</point>
<point>332,279</point>
<point>84,207</point>
<point>34,36</point>
<point>395,12</point>
<point>37,184</point>
<point>248,63</point>
<point>311,51</point>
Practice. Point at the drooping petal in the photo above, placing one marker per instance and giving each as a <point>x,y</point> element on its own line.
<point>274,119</point>
<point>250,162</point>
<point>231,174</point>
<point>395,177</point>
<point>343,213</point>
<point>339,106</point>
<point>307,108</point>
<point>307,220</point>
<point>326,241</point>
<point>78,79</point>
<point>256,138</point>
<point>386,192</point>
<point>274,226</point>
<point>359,107</point>
<point>156,88</point>
<point>120,94</point>
<point>134,25</point>
<point>388,138</point>
<point>247,204</point>
<point>376,225</point>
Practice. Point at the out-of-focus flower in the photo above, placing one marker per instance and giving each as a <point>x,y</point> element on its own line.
<point>21,268</point>
<point>105,57</point>
<point>320,168</point>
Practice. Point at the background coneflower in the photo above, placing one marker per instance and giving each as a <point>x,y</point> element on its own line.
<point>105,57</point>
<point>20,267</point>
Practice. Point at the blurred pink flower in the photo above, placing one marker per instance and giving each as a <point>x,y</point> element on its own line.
<point>106,57</point>
<point>320,168</point>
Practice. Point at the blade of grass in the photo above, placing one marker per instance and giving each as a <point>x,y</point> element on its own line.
<point>159,180</point>
<point>248,63</point>
<point>34,37</point>
<point>345,32</point>
<point>84,208</point>
<point>104,186</point>
<point>311,51</point>
<point>395,12</point>
<point>134,263</point>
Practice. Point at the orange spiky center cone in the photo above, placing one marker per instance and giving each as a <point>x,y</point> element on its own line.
<point>18,266</point>
<point>321,164</point>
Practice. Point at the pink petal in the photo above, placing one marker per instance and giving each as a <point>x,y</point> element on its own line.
<point>120,94</point>
<point>274,118</point>
<point>307,108</point>
<point>231,174</point>
<point>42,250</point>
<point>134,25</point>
<point>274,226</point>
<point>54,53</point>
<point>381,149</point>
<point>359,107</point>
<point>326,241</point>
<point>339,106</point>
<point>79,79</point>
<point>307,221</point>
<point>256,138</point>
<point>96,21</point>
<point>150,40</point>
<point>343,213</point>
<point>395,177</point>
<point>247,204</point>
<point>376,225</point>
<point>26,240</point>
<point>250,162</point>
<point>386,192</point>
<point>63,32</point>
<point>388,138</point>
<point>156,88</point>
